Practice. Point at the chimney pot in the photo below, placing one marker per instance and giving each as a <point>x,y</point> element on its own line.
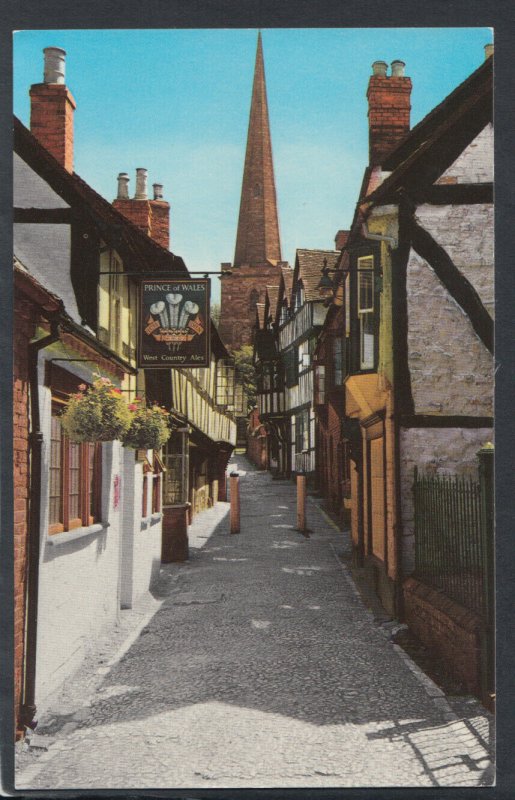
<point>123,186</point>
<point>141,184</point>
<point>54,68</point>
<point>489,50</point>
<point>379,68</point>
<point>398,69</point>
<point>158,191</point>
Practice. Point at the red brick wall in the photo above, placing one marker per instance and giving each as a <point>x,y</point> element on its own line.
<point>160,222</point>
<point>447,628</point>
<point>151,216</point>
<point>51,120</point>
<point>238,314</point>
<point>137,211</point>
<point>24,312</point>
<point>388,114</point>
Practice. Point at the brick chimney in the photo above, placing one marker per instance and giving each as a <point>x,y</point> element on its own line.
<point>151,216</point>
<point>340,240</point>
<point>52,107</point>
<point>388,109</point>
<point>160,221</point>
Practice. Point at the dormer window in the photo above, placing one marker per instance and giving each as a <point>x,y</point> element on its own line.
<point>284,313</point>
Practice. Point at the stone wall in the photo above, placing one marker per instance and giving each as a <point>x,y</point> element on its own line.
<point>435,450</point>
<point>476,163</point>
<point>451,370</point>
<point>466,232</point>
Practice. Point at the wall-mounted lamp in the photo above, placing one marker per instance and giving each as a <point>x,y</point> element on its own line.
<point>326,285</point>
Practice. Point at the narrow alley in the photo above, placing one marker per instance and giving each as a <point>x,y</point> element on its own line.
<point>263,668</point>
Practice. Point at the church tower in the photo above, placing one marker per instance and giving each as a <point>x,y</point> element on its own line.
<point>257,257</point>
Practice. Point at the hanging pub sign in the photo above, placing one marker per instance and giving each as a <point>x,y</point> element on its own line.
<point>174,323</point>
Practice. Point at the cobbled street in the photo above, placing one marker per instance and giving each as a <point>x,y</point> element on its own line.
<point>264,668</point>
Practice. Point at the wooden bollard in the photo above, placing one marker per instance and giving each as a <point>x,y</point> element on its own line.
<point>301,503</point>
<point>235,502</point>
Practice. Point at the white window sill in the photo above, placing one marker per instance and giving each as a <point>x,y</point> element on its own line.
<point>78,533</point>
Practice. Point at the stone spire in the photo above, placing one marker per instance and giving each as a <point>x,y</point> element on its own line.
<point>257,240</point>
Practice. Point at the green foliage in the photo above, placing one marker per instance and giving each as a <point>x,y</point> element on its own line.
<point>245,372</point>
<point>96,414</point>
<point>149,428</point>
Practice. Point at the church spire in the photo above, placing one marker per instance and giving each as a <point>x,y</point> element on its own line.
<point>257,240</point>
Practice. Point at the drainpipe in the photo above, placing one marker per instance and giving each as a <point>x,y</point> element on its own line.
<point>28,707</point>
<point>377,237</point>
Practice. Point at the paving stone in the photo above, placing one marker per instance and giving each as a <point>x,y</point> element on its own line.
<point>263,668</point>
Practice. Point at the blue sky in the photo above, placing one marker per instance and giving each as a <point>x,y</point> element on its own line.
<point>177,103</point>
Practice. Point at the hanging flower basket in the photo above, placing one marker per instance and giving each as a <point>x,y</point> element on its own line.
<point>96,414</point>
<point>149,428</point>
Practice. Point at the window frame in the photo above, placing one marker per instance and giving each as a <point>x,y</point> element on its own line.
<point>158,468</point>
<point>89,490</point>
<point>319,383</point>
<point>365,251</point>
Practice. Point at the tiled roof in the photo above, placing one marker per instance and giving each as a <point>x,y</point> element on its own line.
<point>309,265</point>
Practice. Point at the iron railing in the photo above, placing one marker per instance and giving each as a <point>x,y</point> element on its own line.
<point>449,546</point>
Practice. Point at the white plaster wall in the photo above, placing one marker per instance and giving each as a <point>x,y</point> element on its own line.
<point>78,584</point>
<point>476,163</point>
<point>466,232</point>
<point>32,191</point>
<point>46,250</point>
<point>434,450</point>
<point>141,542</point>
<point>451,370</point>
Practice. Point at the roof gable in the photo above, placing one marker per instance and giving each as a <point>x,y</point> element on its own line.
<point>308,269</point>
<point>134,245</point>
<point>438,140</point>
